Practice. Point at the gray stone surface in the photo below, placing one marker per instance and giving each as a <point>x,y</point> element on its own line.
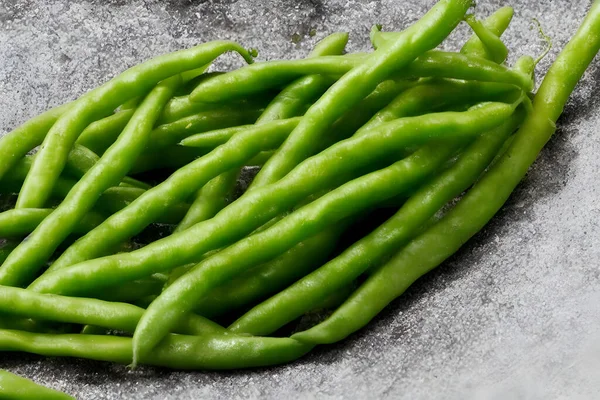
<point>515,314</point>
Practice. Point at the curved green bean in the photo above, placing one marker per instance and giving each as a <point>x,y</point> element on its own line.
<point>495,48</point>
<point>496,23</point>
<point>21,222</point>
<point>359,83</point>
<point>111,315</point>
<point>258,206</point>
<point>205,352</point>
<point>16,387</point>
<point>434,63</point>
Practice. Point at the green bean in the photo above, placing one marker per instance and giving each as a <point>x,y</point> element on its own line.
<point>215,138</point>
<point>17,143</point>
<point>181,106</point>
<point>266,279</point>
<point>50,160</point>
<point>287,104</point>
<point>172,133</point>
<point>31,255</point>
<point>374,248</point>
<point>290,102</point>
<point>496,23</point>
<point>99,135</point>
<point>260,205</point>
<point>436,94</point>
<point>480,204</point>
<point>15,387</point>
<point>118,316</point>
<point>21,222</point>
<point>211,199</point>
<point>180,186</point>
<point>495,49</point>
<point>209,352</point>
<point>6,246</point>
<point>261,76</point>
<point>82,159</point>
<point>359,82</point>
<point>260,159</point>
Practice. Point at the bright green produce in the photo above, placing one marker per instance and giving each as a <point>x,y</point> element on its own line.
<point>15,387</point>
<point>51,159</point>
<point>19,268</point>
<point>138,220</point>
<point>210,351</point>
<point>112,315</point>
<point>480,204</point>
<point>262,204</point>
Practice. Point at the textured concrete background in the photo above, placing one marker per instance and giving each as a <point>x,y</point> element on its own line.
<point>516,314</point>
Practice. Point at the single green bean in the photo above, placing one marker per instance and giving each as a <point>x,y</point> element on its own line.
<point>111,315</point>
<point>495,48</point>
<point>21,222</point>
<point>381,243</point>
<point>130,292</point>
<point>205,352</point>
<point>31,255</point>
<point>16,387</point>
<point>172,133</point>
<point>290,102</point>
<point>50,160</point>
<point>179,187</point>
<point>215,138</point>
<point>480,204</point>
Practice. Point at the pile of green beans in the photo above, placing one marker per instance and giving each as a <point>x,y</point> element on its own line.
<point>132,239</point>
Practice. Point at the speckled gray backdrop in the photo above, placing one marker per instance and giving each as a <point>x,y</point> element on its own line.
<point>516,314</point>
